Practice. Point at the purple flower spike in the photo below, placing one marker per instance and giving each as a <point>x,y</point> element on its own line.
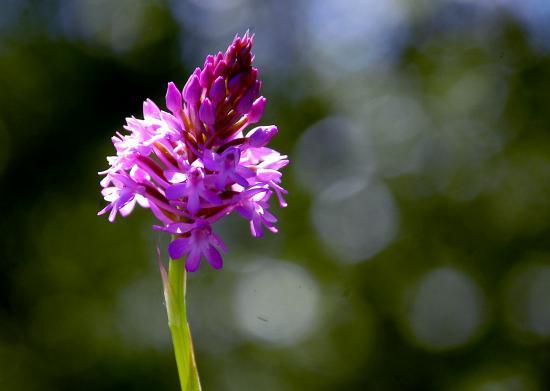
<point>194,165</point>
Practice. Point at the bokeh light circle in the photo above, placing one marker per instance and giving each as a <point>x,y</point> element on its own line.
<point>277,302</point>
<point>355,218</point>
<point>328,150</point>
<point>446,309</point>
<point>527,299</point>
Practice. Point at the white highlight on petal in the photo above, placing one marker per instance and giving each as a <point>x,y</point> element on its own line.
<point>446,309</point>
<point>277,302</point>
<point>355,218</point>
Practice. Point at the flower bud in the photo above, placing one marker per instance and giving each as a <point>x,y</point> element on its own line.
<point>236,82</point>
<point>173,98</point>
<point>207,75</point>
<point>261,136</point>
<point>220,68</point>
<point>217,91</point>
<point>209,60</point>
<point>245,103</point>
<point>206,112</point>
<point>257,110</point>
<point>192,90</point>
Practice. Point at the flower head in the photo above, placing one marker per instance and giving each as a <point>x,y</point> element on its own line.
<point>193,164</point>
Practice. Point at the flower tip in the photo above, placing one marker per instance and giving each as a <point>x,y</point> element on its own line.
<point>257,110</point>
<point>173,98</point>
<point>214,258</point>
<point>207,75</point>
<point>192,90</point>
<point>261,136</point>
<point>217,91</point>
<point>206,112</point>
<point>209,60</point>
<point>150,109</point>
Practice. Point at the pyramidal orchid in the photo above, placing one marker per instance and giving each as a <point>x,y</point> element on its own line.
<point>193,164</point>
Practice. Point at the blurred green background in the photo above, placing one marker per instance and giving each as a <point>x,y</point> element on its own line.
<point>415,251</point>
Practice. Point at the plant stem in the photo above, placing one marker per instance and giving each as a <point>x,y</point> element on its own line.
<point>174,291</point>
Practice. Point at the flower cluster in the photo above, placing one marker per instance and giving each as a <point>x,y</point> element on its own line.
<point>194,164</point>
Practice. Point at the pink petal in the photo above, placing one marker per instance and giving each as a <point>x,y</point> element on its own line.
<point>150,109</point>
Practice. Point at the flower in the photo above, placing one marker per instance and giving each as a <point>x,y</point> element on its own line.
<point>194,164</point>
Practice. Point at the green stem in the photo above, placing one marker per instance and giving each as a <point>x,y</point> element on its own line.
<point>174,291</point>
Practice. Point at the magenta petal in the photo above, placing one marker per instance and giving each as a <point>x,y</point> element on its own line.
<point>150,109</point>
<point>176,191</point>
<point>221,66</point>
<point>240,180</point>
<point>173,98</point>
<point>245,103</point>
<point>269,218</point>
<point>216,241</point>
<point>211,197</point>
<point>193,261</point>
<point>272,228</point>
<point>171,121</point>
<point>236,82</point>
<point>174,228</point>
<point>178,247</point>
<point>257,110</point>
<point>267,175</point>
<point>246,213</point>
<point>174,176</point>
<point>112,215</point>
<point>193,203</point>
<point>207,75</point>
<point>105,210</point>
<point>159,214</point>
<point>209,160</point>
<point>214,258</point>
<point>256,227</point>
<point>260,136</point>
